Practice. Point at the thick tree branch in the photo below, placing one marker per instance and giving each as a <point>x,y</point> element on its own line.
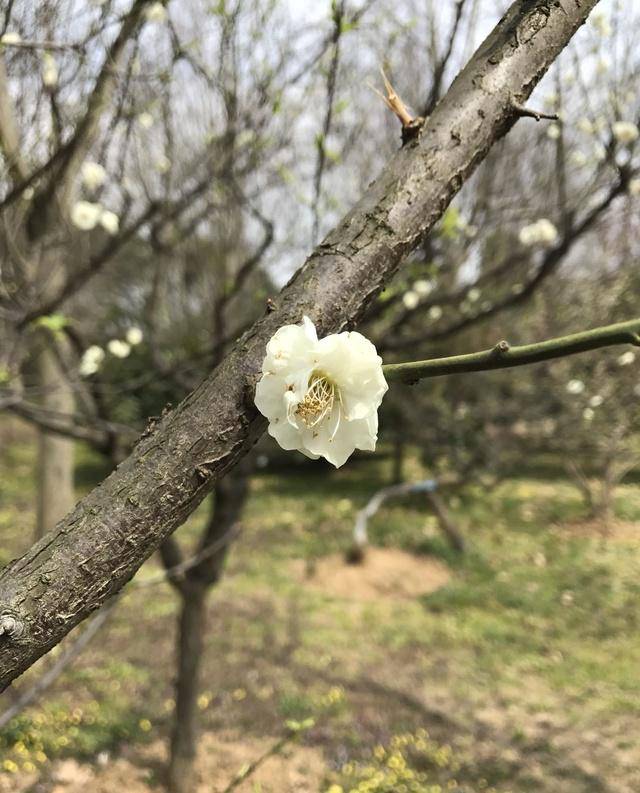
<point>95,550</point>
<point>503,356</point>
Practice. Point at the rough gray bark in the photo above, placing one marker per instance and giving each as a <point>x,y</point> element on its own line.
<point>99,546</point>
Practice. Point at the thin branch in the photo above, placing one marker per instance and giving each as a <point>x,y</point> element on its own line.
<point>503,356</point>
<point>527,112</point>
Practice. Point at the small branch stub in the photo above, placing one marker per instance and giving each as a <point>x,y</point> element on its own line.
<point>10,626</point>
<point>411,125</point>
<point>527,112</point>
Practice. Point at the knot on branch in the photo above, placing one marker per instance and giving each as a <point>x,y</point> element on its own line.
<point>11,626</point>
<point>501,348</point>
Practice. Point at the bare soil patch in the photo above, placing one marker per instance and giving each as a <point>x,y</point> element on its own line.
<point>621,530</point>
<point>384,573</point>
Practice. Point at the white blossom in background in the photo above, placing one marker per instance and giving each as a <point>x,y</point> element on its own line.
<point>634,187</point>
<point>435,313</point>
<point>595,401</point>
<point>49,70</point>
<point>156,12</point>
<point>163,164</point>
<point>588,414</point>
<point>321,397</point>
<point>29,192</point>
<point>578,158</point>
<point>602,66</point>
<point>410,299</point>
<point>585,125</point>
<point>626,358</point>
<point>145,120</point>
<point>93,175</point>
<point>599,152</point>
<point>473,295</point>
<point>542,232</point>
<point>625,132</point>
<point>91,359</point>
<point>553,131</point>
<point>119,348</point>
<point>601,23</point>
<point>575,387</point>
<point>134,336</point>
<point>11,38</point>
<point>110,222</point>
<point>423,287</point>
<point>86,215</point>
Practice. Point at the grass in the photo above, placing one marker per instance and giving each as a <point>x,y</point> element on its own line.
<point>531,645</point>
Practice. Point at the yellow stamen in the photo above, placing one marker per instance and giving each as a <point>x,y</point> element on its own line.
<point>318,401</point>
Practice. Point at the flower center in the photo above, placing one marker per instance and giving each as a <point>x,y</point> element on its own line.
<point>318,401</point>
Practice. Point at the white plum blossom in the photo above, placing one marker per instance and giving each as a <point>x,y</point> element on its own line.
<point>134,336</point>
<point>473,295</point>
<point>578,158</point>
<point>599,152</point>
<point>435,313</point>
<point>49,70</point>
<point>586,126</point>
<point>601,23</point>
<point>542,232</point>
<point>602,66</point>
<point>321,396</point>
<point>575,387</point>
<point>91,359</point>
<point>145,120</point>
<point>423,288</point>
<point>93,175</point>
<point>588,414</point>
<point>626,358</point>
<point>634,187</point>
<point>625,132</point>
<point>85,215</point>
<point>410,299</point>
<point>119,348</point>
<point>163,164</point>
<point>156,12</point>
<point>110,222</point>
<point>553,131</point>
<point>595,401</point>
<point>11,37</point>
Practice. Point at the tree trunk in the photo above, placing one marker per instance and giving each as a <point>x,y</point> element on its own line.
<point>194,586</point>
<point>190,647</point>
<point>449,528</point>
<point>55,453</point>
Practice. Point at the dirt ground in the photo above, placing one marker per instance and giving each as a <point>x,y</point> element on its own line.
<point>220,758</point>
<point>385,573</point>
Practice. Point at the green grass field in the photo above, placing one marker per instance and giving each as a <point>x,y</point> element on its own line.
<point>522,665</point>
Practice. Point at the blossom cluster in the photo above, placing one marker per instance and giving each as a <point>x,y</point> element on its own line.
<point>542,233</point>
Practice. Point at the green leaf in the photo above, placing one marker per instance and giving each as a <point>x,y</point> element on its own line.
<point>450,224</point>
<point>52,322</point>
